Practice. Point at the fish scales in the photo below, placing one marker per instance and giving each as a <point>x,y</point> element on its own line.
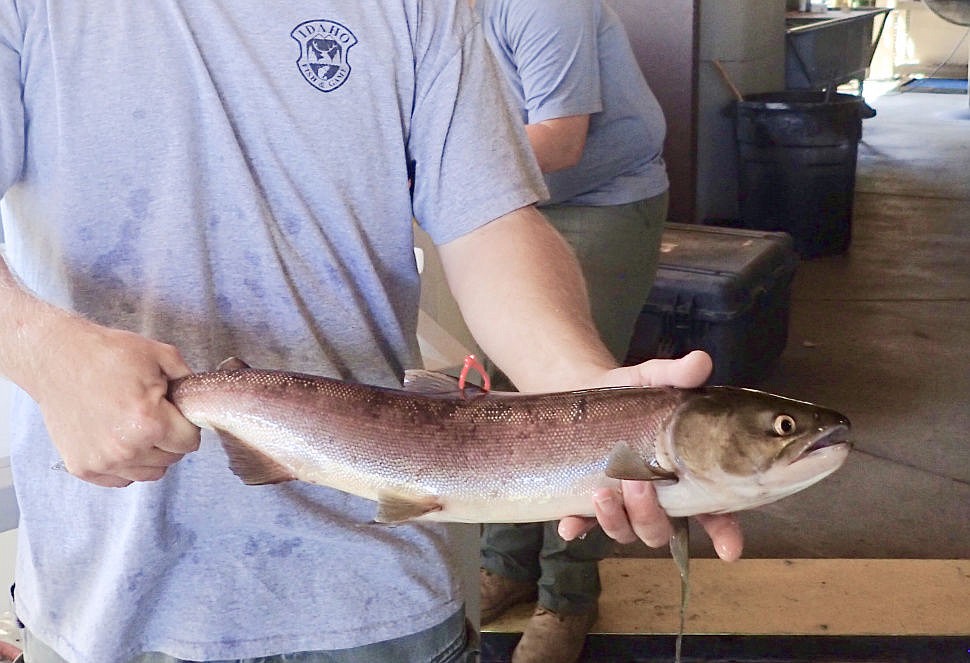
<point>528,449</point>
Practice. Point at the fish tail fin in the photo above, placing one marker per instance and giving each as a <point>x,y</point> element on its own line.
<point>253,467</point>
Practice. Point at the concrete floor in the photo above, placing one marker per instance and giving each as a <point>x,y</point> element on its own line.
<point>883,335</point>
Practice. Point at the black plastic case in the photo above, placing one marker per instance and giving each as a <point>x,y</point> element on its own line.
<point>723,290</point>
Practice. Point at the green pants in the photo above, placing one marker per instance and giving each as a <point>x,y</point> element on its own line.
<point>618,248</point>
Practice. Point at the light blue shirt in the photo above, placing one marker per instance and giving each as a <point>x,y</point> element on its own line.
<point>232,178</point>
<point>573,57</point>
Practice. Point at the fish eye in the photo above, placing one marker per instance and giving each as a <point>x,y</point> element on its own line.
<point>784,424</point>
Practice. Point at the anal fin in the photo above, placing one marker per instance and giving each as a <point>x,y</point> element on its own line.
<point>397,509</point>
<point>253,467</point>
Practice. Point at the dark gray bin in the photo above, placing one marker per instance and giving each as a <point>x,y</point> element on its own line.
<point>797,162</point>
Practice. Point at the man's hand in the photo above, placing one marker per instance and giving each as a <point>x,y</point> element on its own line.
<point>632,512</point>
<point>103,396</point>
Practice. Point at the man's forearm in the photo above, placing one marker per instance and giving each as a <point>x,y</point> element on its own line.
<point>25,322</point>
<point>522,294</point>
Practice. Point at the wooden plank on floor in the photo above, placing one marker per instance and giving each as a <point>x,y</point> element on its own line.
<point>883,597</point>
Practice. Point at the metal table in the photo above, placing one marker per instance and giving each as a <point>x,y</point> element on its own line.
<point>823,51</point>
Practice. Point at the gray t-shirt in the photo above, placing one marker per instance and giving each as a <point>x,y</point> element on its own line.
<point>564,57</point>
<point>232,178</point>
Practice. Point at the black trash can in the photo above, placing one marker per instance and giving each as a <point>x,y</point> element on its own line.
<point>797,166</point>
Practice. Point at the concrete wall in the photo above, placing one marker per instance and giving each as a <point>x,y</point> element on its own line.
<point>664,35</point>
<point>923,41</point>
<point>931,39</point>
<point>747,39</point>
<point>676,42</point>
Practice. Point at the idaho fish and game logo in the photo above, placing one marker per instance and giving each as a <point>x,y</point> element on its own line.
<point>323,53</point>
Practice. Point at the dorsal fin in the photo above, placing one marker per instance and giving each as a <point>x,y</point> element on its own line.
<point>231,364</point>
<point>432,383</point>
<point>253,467</point>
<point>397,509</point>
<point>625,463</point>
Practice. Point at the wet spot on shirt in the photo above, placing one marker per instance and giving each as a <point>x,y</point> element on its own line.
<point>252,259</point>
<point>134,582</point>
<point>285,548</point>
<point>251,547</point>
<point>272,547</point>
<point>178,537</point>
<point>139,200</point>
<point>256,287</point>
<point>291,224</point>
<point>253,281</point>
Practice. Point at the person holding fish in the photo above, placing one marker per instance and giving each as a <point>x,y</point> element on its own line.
<point>597,131</point>
<point>235,194</point>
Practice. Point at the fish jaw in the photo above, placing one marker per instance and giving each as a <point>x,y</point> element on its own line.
<point>727,493</point>
<point>733,461</point>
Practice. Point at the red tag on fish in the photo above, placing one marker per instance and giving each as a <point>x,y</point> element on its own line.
<point>471,361</point>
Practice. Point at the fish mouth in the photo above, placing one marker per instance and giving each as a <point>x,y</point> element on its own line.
<point>833,437</point>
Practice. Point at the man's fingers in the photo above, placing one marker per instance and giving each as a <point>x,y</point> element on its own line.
<point>649,522</point>
<point>172,364</point>
<point>103,480</point>
<point>632,513</point>
<point>142,473</point>
<point>183,436</point>
<point>149,466</point>
<point>691,370</point>
<point>575,527</point>
<point>158,458</point>
<point>608,504</point>
<point>725,533</point>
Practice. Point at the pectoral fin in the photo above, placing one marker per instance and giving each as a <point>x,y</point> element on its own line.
<point>253,467</point>
<point>397,509</point>
<point>625,463</point>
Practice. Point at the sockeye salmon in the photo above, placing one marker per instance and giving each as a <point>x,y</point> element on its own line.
<point>432,451</point>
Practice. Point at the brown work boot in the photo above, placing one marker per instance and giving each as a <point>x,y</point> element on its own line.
<point>499,593</point>
<point>553,638</point>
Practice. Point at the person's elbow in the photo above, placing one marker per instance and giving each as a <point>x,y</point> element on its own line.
<point>569,157</point>
<point>559,143</point>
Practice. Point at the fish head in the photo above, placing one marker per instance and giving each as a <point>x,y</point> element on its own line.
<point>735,449</point>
